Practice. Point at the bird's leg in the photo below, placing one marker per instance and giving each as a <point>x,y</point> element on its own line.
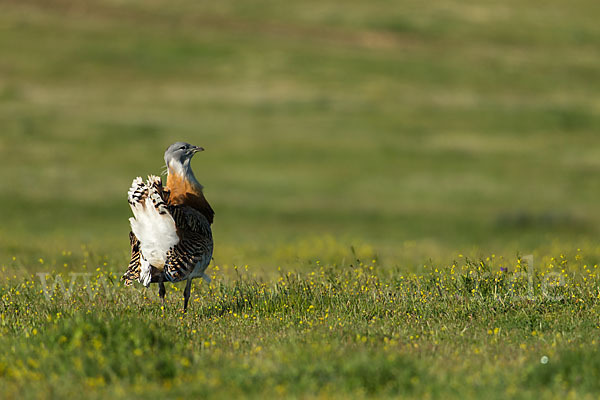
<point>162,292</point>
<point>186,294</point>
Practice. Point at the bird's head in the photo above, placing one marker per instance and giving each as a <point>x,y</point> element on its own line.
<point>179,154</point>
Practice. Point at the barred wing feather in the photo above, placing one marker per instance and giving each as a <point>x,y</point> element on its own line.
<point>133,270</point>
<point>192,254</point>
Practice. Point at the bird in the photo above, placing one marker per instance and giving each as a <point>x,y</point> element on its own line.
<point>171,237</point>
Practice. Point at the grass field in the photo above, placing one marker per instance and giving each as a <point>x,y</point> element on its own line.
<point>379,170</point>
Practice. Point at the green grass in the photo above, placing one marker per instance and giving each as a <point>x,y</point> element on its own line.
<point>470,329</point>
<point>399,131</point>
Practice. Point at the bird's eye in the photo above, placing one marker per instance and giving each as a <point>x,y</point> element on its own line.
<point>182,148</point>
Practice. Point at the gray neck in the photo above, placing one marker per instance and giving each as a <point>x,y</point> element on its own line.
<point>184,169</point>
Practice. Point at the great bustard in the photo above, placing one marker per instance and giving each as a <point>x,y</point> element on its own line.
<point>171,238</point>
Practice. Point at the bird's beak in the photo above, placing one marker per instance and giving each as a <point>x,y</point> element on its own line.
<point>196,149</point>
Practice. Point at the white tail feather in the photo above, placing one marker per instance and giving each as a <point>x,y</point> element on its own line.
<point>145,273</point>
<point>154,228</point>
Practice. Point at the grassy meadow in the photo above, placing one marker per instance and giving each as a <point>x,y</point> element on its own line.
<point>405,195</point>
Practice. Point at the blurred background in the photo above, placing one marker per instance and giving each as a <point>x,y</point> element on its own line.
<point>402,130</point>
